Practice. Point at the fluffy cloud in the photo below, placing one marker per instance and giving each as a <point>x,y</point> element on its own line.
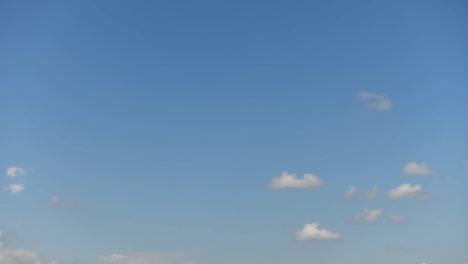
<point>15,188</point>
<point>372,193</point>
<point>313,232</point>
<point>63,203</point>
<point>368,216</point>
<point>15,171</point>
<point>413,168</point>
<point>350,192</point>
<point>397,219</point>
<point>287,180</point>
<point>376,101</point>
<point>404,191</point>
<point>138,257</point>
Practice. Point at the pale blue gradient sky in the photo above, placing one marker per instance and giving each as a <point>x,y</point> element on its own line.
<point>164,122</point>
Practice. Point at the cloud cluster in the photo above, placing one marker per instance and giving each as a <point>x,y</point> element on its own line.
<point>287,180</point>
<point>376,101</point>
<point>413,168</point>
<point>13,172</point>
<point>18,256</point>
<point>140,257</point>
<point>368,216</point>
<point>313,232</point>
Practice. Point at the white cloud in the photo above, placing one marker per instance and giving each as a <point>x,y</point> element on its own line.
<point>413,168</point>
<point>64,203</point>
<point>368,216</point>
<point>376,101</point>
<point>15,171</point>
<point>18,256</point>
<point>313,232</point>
<point>405,191</point>
<point>397,219</point>
<point>139,257</point>
<point>15,188</point>
<point>287,180</point>
<point>350,192</point>
<point>465,164</point>
<point>372,193</point>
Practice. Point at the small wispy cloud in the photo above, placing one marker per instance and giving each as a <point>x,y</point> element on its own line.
<point>376,101</point>
<point>397,219</point>
<point>13,171</point>
<point>424,197</point>
<point>350,192</point>
<point>15,188</point>
<point>393,248</point>
<point>413,168</point>
<point>290,180</point>
<point>141,257</point>
<point>405,191</point>
<point>54,199</point>
<point>372,193</point>
<point>368,216</point>
<point>313,232</point>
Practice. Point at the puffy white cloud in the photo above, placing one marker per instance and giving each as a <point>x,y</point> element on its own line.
<point>287,180</point>
<point>15,188</point>
<point>372,192</point>
<point>59,202</point>
<point>139,257</point>
<point>350,192</point>
<point>368,216</point>
<point>15,171</point>
<point>397,219</point>
<point>404,191</point>
<point>413,168</point>
<point>376,101</point>
<point>313,232</point>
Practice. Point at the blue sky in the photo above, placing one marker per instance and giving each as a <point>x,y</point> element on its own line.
<point>165,132</point>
